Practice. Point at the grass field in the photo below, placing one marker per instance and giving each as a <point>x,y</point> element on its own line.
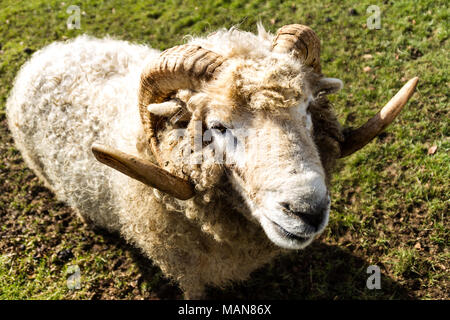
<point>390,200</point>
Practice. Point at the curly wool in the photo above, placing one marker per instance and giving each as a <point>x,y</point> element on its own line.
<point>74,93</point>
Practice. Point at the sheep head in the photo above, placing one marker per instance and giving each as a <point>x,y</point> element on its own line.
<point>255,117</point>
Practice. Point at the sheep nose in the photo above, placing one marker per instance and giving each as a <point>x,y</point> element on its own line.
<point>313,217</point>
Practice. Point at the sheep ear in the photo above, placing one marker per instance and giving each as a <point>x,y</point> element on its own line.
<point>175,110</point>
<point>165,109</point>
<point>328,85</point>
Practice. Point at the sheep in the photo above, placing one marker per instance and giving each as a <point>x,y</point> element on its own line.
<point>202,219</point>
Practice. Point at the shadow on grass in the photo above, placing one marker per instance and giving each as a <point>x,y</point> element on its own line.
<point>320,271</point>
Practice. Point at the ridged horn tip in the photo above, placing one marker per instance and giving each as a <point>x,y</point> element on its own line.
<point>143,171</point>
<point>358,138</point>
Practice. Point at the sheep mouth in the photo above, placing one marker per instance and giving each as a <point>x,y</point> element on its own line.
<point>289,235</point>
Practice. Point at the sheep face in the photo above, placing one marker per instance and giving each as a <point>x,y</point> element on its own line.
<point>258,134</point>
<point>273,163</point>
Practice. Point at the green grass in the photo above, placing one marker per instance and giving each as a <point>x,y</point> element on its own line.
<point>390,200</point>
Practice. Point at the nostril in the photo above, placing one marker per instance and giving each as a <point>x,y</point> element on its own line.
<point>313,219</point>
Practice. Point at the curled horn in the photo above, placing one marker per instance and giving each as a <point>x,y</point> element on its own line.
<point>305,45</point>
<point>302,41</point>
<point>181,67</point>
<point>358,138</point>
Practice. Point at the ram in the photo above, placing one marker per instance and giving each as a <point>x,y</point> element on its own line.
<point>219,152</point>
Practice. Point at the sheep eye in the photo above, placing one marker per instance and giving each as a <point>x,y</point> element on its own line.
<point>220,127</point>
